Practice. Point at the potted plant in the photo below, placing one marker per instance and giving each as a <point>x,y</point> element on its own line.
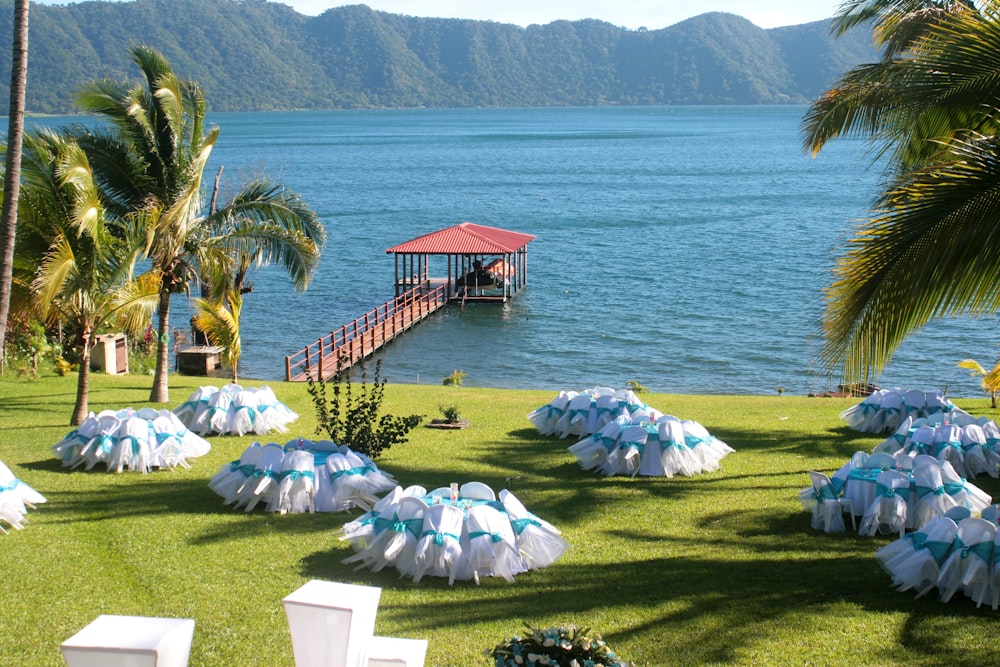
<point>450,418</point>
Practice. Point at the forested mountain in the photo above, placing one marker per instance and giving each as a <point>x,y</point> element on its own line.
<point>257,55</point>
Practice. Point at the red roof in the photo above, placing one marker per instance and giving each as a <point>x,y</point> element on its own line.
<point>465,239</point>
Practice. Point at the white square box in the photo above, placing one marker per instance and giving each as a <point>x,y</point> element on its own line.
<point>130,641</point>
<point>331,623</point>
<point>395,652</point>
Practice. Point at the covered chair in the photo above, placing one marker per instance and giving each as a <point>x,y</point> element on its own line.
<point>439,548</point>
<point>932,500</point>
<point>477,490</point>
<point>962,491</point>
<point>678,459</point>
<point>914,560</point>
<point>539,542</point>
<point>625,457</point>
<point>546,418</point>
<point>296,485</point>
<point>262,483</point>
<point>580,418</point>
<point>974,452</point>
<point>887,512</point>
<point>948,447</point>
<point>592,451</point>
<point>231,476</point>
<point>968,566</point>
<point>492,546</point>
<point>16,498</point>
<point>825,504</point>
<point>898,440</point>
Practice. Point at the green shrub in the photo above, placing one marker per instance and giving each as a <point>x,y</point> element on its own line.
<point>351,417</point>
<point>455,379</point>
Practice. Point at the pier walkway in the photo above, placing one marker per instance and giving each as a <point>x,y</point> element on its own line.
<point>365,335</point>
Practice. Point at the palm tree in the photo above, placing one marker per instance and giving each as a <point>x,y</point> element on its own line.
<point>84,277</point>
<point>153,161</point>
<point>220,320</point>
<point>930,249</point>
<point>12,168</point>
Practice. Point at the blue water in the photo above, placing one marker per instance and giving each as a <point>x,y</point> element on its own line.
<point>681,247</point>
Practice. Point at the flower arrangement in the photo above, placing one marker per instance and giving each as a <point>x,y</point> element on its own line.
<point>561,646</point>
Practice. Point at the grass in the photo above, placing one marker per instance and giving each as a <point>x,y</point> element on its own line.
<point>718,569</point>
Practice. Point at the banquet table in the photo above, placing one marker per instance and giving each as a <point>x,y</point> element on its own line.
<point>445,534</point>
<point>860,487</point>
<point>301,476</point>
<point>665,447</point>
<point>588,411</point>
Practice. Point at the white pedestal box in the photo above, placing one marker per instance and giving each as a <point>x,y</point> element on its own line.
<point>395,652</point>
<point>331,623</point>
<point>130,641</point>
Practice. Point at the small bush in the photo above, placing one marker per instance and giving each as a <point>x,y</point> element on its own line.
<point>351,417</point>
<point>450,413</point>
<point>635,386</point>
<point>455,379</point>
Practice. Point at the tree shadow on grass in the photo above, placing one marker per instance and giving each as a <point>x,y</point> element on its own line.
<point>717,607</point>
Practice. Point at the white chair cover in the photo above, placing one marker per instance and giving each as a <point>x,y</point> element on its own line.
<point>492,546</point>
<point>297,484</point>
<point>822,499</point>
<point>539,542</point>
<point>439,548</point>
<point>477,490</point>
<point>914,560</point>
<point>932,501</point>
<point>16,498</point>
<point>969,565</point>
<point>678,459</point>
<point>974,452</point>
<point>232,476</point>
<point>547,416</point>
<point>263,482</point>
<point>887,513</point>
<point>592,452</point>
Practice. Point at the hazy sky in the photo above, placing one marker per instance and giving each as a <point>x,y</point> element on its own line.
<point>652,14</point>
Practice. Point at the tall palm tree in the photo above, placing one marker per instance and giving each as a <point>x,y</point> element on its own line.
<point>932,246</point>
<point>152,161</point>
<point>12,167</point>
<point>84,277</point>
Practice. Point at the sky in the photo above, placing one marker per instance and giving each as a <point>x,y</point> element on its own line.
<point>633,14</point>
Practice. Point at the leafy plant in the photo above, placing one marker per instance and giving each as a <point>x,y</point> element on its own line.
<point>450,413</point>
<point>455,379</point>
<point>562,645</point>
<point>635,386</point>
<point>351,416</point>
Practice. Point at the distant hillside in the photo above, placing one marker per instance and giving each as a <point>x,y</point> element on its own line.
<point>252,55</point>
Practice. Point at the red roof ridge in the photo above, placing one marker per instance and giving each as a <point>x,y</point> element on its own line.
<point>466,238</point>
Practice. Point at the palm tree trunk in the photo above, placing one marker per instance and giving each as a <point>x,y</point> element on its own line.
<point>80,410</point>
<point>12,178</point>
<point>161,389</point>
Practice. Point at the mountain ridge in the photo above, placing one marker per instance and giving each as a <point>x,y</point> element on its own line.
<point>256,55</point>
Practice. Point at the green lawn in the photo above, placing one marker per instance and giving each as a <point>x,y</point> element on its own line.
<point>717,569</point>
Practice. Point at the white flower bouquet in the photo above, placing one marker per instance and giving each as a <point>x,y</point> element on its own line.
<point>561,646</point>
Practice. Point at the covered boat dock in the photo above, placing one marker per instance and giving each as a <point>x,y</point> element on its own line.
<point>482,263</point>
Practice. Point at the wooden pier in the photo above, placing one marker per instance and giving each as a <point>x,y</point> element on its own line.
<point>483,264</point>
<point>365,335</point>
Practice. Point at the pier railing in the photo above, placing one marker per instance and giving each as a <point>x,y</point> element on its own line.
<point>365,335</point>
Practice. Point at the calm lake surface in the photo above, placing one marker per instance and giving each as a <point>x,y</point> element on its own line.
<point>682,247</point>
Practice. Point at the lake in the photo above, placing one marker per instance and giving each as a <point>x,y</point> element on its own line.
<point>684,248</point>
